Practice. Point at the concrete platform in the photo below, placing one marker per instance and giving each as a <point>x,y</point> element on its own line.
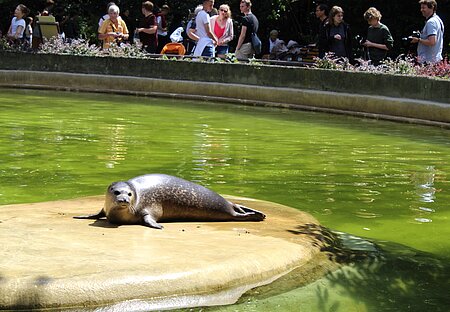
<point>50,260</point>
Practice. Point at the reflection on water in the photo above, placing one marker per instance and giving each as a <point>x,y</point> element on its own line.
<point>211,152</point>
<point>374,179</point>
<point>424,184</point>
<point>118,148</point>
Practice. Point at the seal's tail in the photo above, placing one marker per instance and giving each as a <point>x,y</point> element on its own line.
<point>244,213</point>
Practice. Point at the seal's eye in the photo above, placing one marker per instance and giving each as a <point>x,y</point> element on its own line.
<point>129,194</point>
<point>116,193</point>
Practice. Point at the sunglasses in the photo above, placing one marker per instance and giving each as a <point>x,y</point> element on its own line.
<point>223,10</point>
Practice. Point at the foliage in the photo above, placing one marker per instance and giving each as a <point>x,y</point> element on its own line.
<point>4,44</point>
<point>17,45</point>
<point>125,50</point>
<point>441,70</point>
<point>402,65</point>
<point>332,62</point>
<point>82,47</point>
<point>75,47</point>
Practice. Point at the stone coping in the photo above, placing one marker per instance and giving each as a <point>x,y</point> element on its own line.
<point>403,98</point>
<point>51,261</point>
<point>380,107</point>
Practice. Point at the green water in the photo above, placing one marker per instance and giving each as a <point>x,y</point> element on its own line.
<point>382,180</point>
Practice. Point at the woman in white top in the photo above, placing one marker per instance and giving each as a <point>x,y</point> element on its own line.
<point>17,27</point>
<point>222,26</point>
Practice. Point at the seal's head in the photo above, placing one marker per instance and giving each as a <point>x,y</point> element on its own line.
<point>120,202</point>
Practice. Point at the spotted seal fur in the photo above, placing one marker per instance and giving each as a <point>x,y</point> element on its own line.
<point>151,198</point>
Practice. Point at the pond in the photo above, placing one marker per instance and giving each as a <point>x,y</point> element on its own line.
<point>388,182</point>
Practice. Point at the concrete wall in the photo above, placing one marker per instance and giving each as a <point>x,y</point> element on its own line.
<point>416,99</point>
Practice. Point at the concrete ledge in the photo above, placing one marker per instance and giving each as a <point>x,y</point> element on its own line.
<point>51,261</point>
<point>411,87</point>
<point>383,107</point>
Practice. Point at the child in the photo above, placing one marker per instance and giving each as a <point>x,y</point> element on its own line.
<point>379,39</point>
<point>17,28</point>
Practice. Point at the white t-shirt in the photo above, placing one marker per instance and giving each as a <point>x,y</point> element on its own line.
<point>200,21</point>
<point>102,19</point>
<point>273,44</point>
<point>16,23</point>
<point>159,24</point>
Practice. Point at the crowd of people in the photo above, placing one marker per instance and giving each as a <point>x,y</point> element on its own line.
<point>209,31</point>
<point>335,34</point>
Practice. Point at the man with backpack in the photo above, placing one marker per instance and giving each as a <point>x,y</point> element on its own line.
<point>250,24</point>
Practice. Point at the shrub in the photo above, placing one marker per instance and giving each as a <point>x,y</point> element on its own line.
<point>400,66</point>
<point>441,70</point>
<point>403,65</point>
<point>74,47</point>
<point>82,47</point>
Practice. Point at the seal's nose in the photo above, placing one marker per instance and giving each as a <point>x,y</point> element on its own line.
<point>123,200</point>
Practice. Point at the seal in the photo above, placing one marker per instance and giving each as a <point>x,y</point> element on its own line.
<point>151,198</point>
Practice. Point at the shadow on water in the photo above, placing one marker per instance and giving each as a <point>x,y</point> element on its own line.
<point>369,276</point>
<point>381,275</point>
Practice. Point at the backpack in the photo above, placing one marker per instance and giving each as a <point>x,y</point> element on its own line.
<point>256,43</point>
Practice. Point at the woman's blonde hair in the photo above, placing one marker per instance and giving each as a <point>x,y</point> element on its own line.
<point>372,13</point>
<point>226,6</point>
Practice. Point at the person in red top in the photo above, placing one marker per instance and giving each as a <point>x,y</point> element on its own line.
<point>147,29</point>
<point>222,26</point>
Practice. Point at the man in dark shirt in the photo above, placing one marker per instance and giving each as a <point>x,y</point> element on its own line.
<point>147,28</point>
<point>250,24</point>
<point>322,14</point>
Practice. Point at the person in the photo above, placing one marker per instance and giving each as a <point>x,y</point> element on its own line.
<point>18,24</point>
<point>192,38</point>
<point>28,33</point>
<point>48,10</point>
<point>213,12</point>
<point>71,27</point>
<point>250,24</point>
<point>106,16</point>
<point>222,26</point>
<point>322,11</point>
<point>338,34</point>
<point>113,29</point>
<point>161,21</point>
<point>430,42</point>
<point>379,39</point>
<point>147,29</point>
<point>206,38</point>
<point>130,22</point>
<point>272,42</point>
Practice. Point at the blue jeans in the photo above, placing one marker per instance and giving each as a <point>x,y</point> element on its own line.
<point>222,49</point>
<point>208,51</point>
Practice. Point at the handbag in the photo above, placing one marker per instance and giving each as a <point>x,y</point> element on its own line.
<point>256,43</point>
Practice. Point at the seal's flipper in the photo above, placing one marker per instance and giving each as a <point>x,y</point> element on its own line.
<point>147,220</point>
<point>248,214</point>
<point>99,215</point>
